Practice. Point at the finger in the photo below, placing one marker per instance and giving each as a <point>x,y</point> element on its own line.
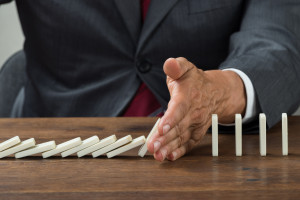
<point>157,141</point>
<point>176,68</point>
<point>181,151</point>
<point>173,145</point>
<point>151,145</point>
<point>178,108</point>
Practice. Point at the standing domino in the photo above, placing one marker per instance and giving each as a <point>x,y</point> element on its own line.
<point>19,147</point>
<point>215,135</point>
<point>284,134</point>
<point>135,143</point>
<point>118,143</point>
<point>103,143</point>
<point>9,143</point>
<point>262,134</point>
<point>85,144</point>
<point>143,150</point>
<point>63,147</point>
<point>238,135</point>
<point>36,149</point>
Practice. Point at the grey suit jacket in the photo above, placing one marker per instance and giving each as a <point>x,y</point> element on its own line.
<point>87,58</point>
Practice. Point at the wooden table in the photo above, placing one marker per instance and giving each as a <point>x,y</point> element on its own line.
<point>196,176</point>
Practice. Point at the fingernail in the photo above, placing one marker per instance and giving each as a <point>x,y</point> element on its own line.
<point>166,128</point>
<point>163,153</point>
<point>174,154</point>
<point>156,146</point>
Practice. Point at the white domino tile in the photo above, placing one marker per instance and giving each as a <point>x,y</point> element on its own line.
<point>63,147</point>
<point>103,143</point>
<point>143,150</point>
<point>19,147</point>
<point>262,134</point>
<point>85,144</point>
<point>40,148</point>
<point>238,135</point>
<point>9,143</point>
<point>135,143</point>
<point>118,143</point>
<point>215,143</point>
<point>284,134</point>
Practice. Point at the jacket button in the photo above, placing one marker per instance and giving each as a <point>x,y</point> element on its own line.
<point>144,66</point>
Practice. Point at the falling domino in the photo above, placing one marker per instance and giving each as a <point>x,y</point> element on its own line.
<point>143,150</point>
<point>135,143</point>
<point>118,143</point>
<point>19,147</point>
<point>85,144</point>
<point>238,135</point>
<point>262,134</point>
<point>103,143</point>
<point>63,147</point>
<point>36,149</point>
<point>214,135</point>
<point>9,143</point>
<point>284,134</point>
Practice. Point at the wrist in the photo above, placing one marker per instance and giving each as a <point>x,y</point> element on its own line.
<point>232,98</point>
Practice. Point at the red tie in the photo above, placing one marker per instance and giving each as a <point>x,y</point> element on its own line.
<point>144,102</point>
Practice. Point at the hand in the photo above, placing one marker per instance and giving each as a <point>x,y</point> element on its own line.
<point>195,96</point>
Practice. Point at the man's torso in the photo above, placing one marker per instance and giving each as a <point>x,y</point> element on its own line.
<point>88,58</point>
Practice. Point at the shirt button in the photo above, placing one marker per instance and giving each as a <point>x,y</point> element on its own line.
<point>144,66</point>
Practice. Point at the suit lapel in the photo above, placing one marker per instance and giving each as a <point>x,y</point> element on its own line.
<point>131,16</point>
<point>158,9</point>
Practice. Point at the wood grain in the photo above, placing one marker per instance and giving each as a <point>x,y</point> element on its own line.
<point>198,175</point>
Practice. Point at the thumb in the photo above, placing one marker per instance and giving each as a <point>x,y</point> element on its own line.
<point>175,68</point>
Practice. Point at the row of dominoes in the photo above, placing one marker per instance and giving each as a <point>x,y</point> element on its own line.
<point>93,145</point>
<point>262,135</point>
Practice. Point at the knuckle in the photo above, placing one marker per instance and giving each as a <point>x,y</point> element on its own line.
<point>168,149</point>
<point>183,59</point>
<point>200,72</point>
<point>198,135</point>
<point>177,130</point>
<point>180,141</point>
<point>162,140</point>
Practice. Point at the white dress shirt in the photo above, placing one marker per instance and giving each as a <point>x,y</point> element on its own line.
<point>251,108</point>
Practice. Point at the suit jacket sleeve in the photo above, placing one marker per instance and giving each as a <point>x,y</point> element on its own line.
<point>267,49</point>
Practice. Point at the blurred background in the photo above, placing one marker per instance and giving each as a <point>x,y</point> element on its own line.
<point>11,36</point>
